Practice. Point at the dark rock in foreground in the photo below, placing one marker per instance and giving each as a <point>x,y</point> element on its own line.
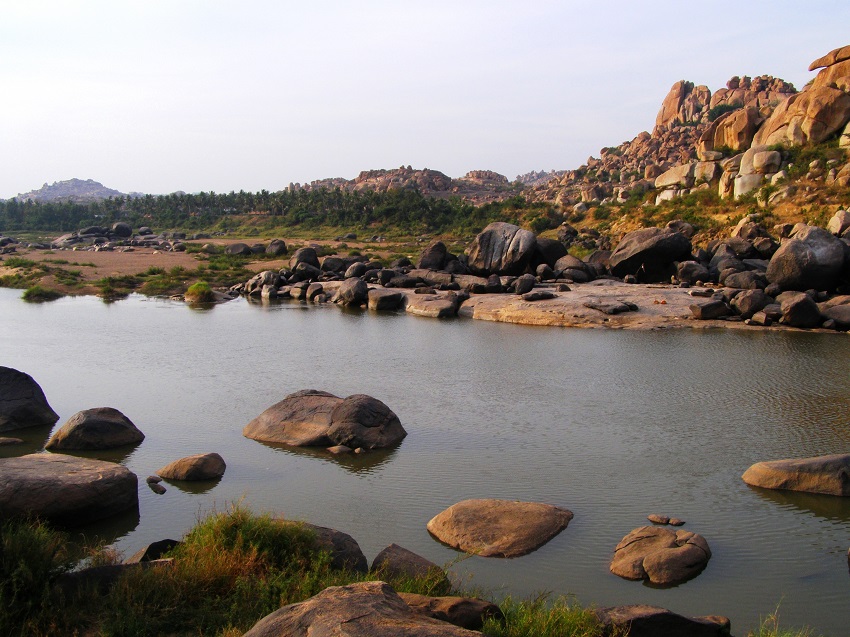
<point>369,609</point>
<point>65,489</point>
<point>98,428</point>
<point>499,528</point>
<point>466,612</point>
<point>829,475</point>
<point>640,620</point>
<point>22,402</point>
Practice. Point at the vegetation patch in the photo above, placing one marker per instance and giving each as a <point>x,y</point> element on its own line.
<point>200,292</point>
<point>38,294</point>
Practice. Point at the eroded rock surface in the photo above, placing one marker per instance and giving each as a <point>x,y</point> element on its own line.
<point>660,555</point>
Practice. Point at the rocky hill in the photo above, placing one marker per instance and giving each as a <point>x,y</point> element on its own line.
<point>76,190</point>
<point>477,186</point>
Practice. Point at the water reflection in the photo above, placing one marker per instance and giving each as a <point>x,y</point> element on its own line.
<point>108,530</point>
<point>827,507</point>
<point>194,486</point>
<point>360,463</point>
<point>118,455</point>
<point>34,439</point>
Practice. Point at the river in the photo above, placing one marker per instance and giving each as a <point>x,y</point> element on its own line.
<point>612,425</point>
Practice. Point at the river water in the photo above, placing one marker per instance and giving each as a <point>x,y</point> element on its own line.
<point>612,425</point>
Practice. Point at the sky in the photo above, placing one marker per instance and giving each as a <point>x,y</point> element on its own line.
<point>165,95</point>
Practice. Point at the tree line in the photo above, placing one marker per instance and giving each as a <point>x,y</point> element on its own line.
<point>403,210</point>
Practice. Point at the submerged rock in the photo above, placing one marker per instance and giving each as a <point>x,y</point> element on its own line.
<point>499,528</point>
<point>311,418</point>
<point>662,556</point>
<point>829,475</point>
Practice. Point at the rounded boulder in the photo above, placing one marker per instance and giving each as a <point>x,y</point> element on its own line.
<point>660,555</point>
<point>93,429</point>
<point>202,466</point>
<point>22,402</point>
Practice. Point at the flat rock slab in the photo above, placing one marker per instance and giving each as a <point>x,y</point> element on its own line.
<point>22,402</point>
<point>369,609</point>
<point>829,475</point>
<point>65,489</point>
<point>97,428</point>
<point>660,555</point>
<point>651,621</point>
<point>499,528</point>
<point>430,305</point>
<point>202,466</point>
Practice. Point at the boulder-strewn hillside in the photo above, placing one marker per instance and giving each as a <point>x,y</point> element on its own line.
<point>477,186</point>
<point>76,190</point>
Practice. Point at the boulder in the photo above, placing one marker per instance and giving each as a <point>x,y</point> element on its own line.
<point>839,223</point>
<point>353,292</point>
<point>237,249</point>
<point>305,255</point>
<point>660,555</point>
<point>397,562</point>
<point>498,528</point>
<point>829,475</point>
<point>202,466</point>
<point>749,302</point>
<point>833,57</point>
<point>649,254</point>
<point>501,248</point>
<point>387,300</point>
<point>807,117</point>
<point>431,305</point>
<point>97,428</point>
<point>466,612</point>
<point>550,250</point>
<point>433,257</point>
<point>799,310</point>
<point>678,176</point>
<point>364,421</point>
<point>65,489</point>
<point>22,402</point>
<point>367,609</point>
<point>640,620</point>
<point>311,418</point>
<point>811,259</point>
<point>691,272</point>
<point>121,229</point>
<point>276,248</point>
<point>343,549</point>
<point>524,284</point>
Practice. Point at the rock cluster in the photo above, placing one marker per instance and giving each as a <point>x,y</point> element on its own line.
<point>121,237</point>
<point>477,186</point>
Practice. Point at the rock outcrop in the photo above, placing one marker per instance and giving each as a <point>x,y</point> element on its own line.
<point>499,528</point>
<point>65,489</point>
<point>829,475</point>
<point>97,428</point>
<point>369,609</point>
<point>311,418</point>
<point>22,402</point>
<point>501,248</point>
<point>660,555</point>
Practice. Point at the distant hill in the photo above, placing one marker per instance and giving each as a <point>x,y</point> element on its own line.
<point>76,190</point>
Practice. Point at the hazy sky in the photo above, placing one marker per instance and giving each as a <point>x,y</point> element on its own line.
<point>157,96</point>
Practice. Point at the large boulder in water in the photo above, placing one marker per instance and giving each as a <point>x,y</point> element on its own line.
<point>811,259</point>
<point>499,528</point>
<point>501,248</point>
<point>367,609</point>
<point>650,254</point>
<point>662,556</point>
<point>98,428</point>
<point>311,418</point>
<point>829,475</point>
<point>22,402</point>
<point>65,489</point>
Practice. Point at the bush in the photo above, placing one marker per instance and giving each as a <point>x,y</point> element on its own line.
<point>38,294</point>
<point>200,292</point>
<point>722,109</point>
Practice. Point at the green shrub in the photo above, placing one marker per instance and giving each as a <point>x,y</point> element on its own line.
<point>38,294</point>
<point>200,292</point>
<point>18,262</point>
<point>721,109</point>
<point>538,618</point>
